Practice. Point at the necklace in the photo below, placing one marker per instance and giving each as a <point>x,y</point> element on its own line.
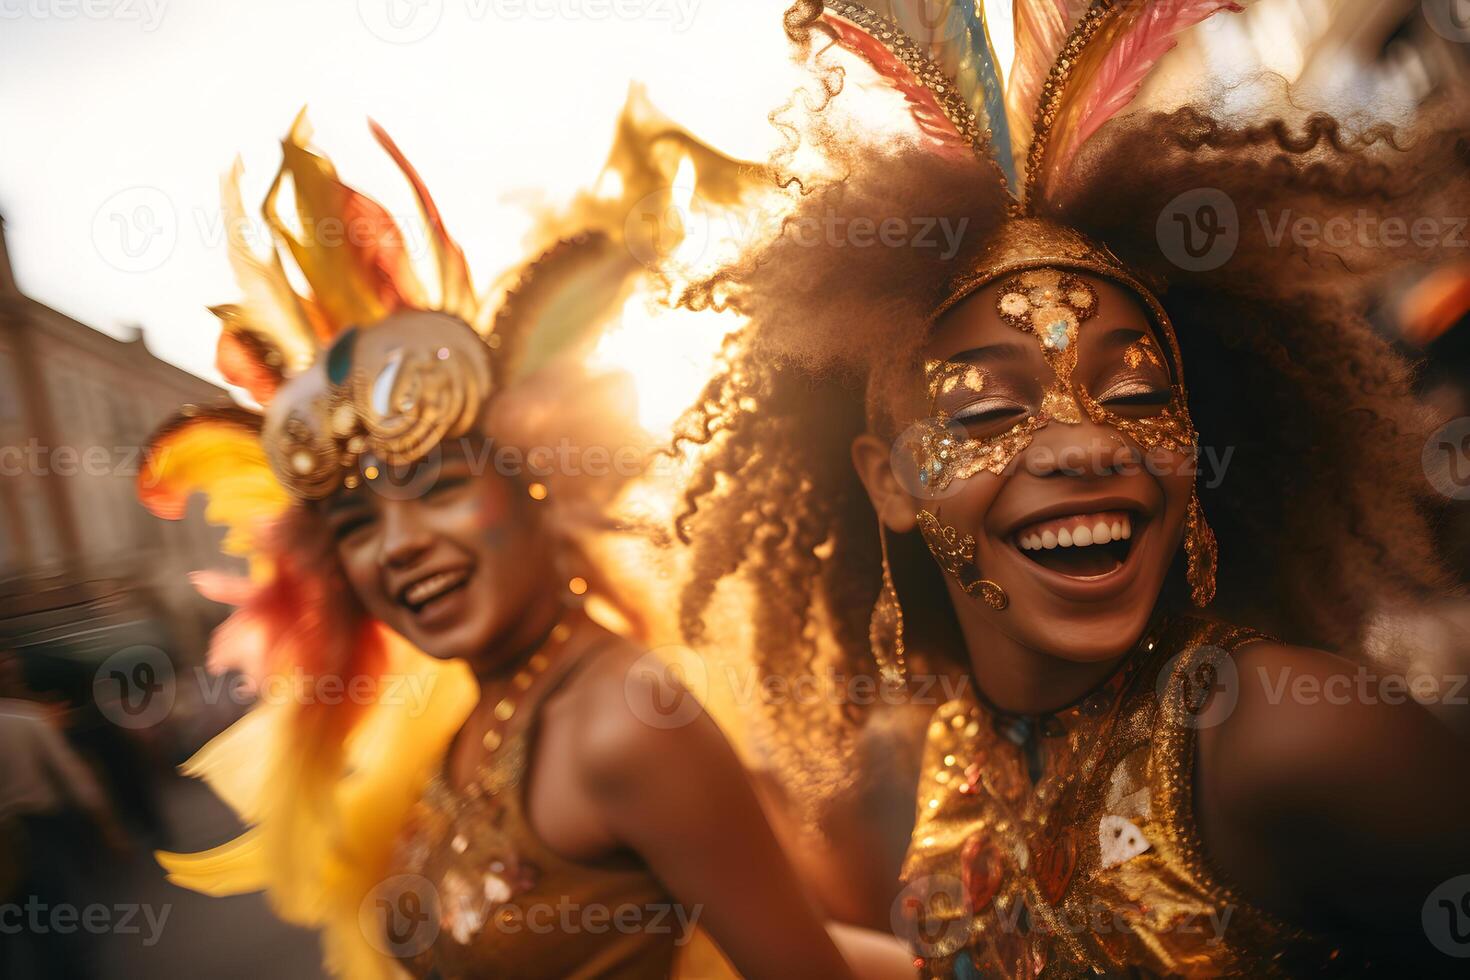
<point>534,667</point>
<point>1026,730</point>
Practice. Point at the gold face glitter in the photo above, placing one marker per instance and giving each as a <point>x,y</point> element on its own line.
<point>1051,305</point>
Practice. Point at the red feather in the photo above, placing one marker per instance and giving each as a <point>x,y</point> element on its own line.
<point>1128,62</point>
<point>925,108</point>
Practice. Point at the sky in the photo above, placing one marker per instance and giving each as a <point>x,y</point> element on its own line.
<point>118,118</point>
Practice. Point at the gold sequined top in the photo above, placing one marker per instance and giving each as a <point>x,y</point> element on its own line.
<point>497,902</point>
<point>1066,845</point>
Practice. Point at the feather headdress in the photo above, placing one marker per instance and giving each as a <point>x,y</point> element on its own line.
<point>1075,68</point>
<point>323,787</point>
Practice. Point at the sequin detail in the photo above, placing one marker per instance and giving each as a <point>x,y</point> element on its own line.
<point>1095,868</point>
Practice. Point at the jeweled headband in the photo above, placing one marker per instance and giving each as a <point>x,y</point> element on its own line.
<point>381,395</point>
<point>1036,262</point>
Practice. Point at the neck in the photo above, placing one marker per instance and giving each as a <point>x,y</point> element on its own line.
<point>1019,680</point>
<point>527,634</point>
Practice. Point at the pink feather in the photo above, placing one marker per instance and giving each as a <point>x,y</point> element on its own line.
<point>1122,73</point>
<point>928,114</point>
<point>1042,27</point>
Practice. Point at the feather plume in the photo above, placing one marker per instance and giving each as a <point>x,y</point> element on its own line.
<point>216,452</point>
<point>351,251</point>
<point>925,107</point>
<point>457,291</point>
<point>1042,27</point>
<point>271,308</point>
<point>1115,64</point>
<point>246,356</point>
<point>940,59</point>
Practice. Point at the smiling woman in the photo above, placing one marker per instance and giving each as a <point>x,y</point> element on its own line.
<point>538,816</point>
<point>1014,424</point>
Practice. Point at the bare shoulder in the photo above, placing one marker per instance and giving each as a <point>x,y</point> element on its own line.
<point>628,705</point>
<point>1311,733</point>
<point>1320,789</point>
<point>1300,708</point>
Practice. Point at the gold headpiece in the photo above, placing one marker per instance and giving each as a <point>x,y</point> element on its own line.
<point>371,362</point>
<point>385,395</point>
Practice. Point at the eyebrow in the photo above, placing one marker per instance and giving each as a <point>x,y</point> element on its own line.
<point>345,502</point>
<point>1122,336</point>
<point>990,353</point>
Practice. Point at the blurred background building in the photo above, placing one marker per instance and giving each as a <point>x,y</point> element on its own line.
<point>84,570</point>
<point>88,578</point>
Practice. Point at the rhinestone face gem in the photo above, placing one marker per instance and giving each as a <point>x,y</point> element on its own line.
<point>1055,334</point>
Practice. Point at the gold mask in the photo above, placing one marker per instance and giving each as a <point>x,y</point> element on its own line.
<point>1050,301</point>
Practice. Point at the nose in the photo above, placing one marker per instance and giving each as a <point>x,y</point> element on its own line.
<point>405,539</point>
<point>1085,450</point>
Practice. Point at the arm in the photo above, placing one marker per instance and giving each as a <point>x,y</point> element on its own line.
<point>1330,796</point>
<point>873,955</point>
<point>680,799</point>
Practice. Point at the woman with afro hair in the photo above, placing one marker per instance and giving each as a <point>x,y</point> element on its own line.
<point>977,462</point>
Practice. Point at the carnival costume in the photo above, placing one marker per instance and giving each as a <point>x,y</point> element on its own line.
<point>1063,844</point>
<point>361,379</point>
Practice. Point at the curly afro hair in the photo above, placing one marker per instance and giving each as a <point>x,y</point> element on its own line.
<point>1324,514</point>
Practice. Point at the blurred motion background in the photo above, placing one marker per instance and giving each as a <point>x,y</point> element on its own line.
<point>116,121</point>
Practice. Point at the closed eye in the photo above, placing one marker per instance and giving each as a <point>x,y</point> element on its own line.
<point>445,483</point>
<point>348,526</point>
<point>1135,392</point>
<point>987,411</point>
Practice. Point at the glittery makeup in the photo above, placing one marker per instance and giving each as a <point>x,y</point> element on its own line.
<point>1051,305</point>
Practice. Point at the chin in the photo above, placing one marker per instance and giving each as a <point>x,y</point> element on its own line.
<point>1081,632</point>
<point>1090,638</point>
<point>456,641</point>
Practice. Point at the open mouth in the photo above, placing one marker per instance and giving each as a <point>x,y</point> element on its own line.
<point>1080,545</point>
<point>420,595</point>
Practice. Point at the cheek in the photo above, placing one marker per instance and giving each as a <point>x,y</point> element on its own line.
<point>1178,485</point>
<point>359,564</point>
<point>969,502</point>
<point>486,522</point>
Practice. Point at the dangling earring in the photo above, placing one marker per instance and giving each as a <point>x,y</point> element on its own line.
<point>956,555</point>
<point>1202,553</point>
<point>885,626</point>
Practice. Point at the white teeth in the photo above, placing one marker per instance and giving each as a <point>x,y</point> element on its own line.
<point>422,591</point>
<point>1081,537</point>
